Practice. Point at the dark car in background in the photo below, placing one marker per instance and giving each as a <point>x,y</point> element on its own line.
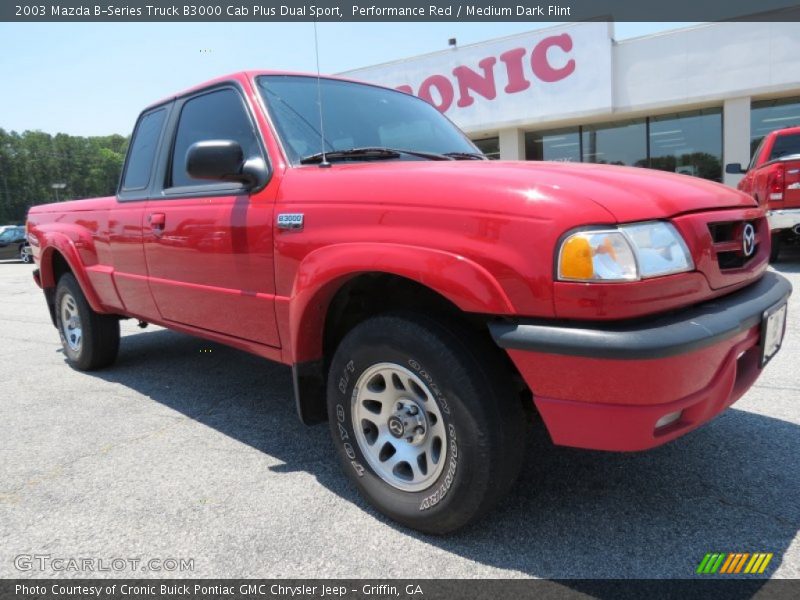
<point>14,244</point>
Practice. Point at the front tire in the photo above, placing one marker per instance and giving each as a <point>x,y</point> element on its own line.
<point>90,340</point>
<point>425,421</point>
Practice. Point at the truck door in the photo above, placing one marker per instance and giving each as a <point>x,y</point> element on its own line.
<point>125,220</point>
<point>209,245</point>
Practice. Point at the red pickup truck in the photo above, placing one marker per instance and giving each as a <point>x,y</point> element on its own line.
<point>429,301</point>
<point>773,179</point>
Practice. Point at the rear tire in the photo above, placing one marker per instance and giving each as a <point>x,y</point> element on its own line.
<point>407,387</point>
<point>90,340</point>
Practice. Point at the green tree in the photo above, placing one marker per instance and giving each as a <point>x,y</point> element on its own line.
<point>31,162</point>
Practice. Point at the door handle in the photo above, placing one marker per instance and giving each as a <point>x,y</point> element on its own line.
<point>157,221</point>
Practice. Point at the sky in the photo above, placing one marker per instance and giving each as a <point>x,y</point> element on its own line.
<point>94,78</point>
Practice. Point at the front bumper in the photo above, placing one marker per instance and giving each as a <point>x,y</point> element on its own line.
<point>783,218</point>
<point>605,386</point>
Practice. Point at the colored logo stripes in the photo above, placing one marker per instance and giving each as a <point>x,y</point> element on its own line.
<point>734,562</point>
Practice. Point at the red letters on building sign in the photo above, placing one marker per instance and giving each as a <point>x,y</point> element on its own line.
<point>439,90</point>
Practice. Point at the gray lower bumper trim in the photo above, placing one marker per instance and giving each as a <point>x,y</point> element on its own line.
<point>677,333</point>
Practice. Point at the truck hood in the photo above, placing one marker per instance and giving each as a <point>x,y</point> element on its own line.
<point>518,187</point>
<point>634,194</point>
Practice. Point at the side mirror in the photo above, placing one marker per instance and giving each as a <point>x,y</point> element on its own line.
<point>223,160</point>
<point>734,169</point>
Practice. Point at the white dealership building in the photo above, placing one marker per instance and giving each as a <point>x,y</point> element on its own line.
<point>688,100</point>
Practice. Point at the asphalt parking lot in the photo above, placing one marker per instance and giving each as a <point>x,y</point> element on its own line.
<point>187,449</point>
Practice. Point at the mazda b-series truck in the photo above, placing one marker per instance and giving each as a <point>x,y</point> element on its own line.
<point>773,179</point>
<point>430,302</point>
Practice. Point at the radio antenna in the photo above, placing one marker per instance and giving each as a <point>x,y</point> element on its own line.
<point>324,162</point>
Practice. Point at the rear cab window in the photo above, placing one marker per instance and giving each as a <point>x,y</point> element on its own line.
<point>142,153</point>
<point>785,145</point>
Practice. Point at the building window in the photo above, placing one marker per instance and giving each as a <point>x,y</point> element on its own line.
<point>489,146</point>
<point>769,115</point>
<point>623,143</point>
<point>557,144</point>
<point>688,143</point>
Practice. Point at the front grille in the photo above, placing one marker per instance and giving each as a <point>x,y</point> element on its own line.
<point>722,232</point>
<point>732,260</point>
<point>727,240</point>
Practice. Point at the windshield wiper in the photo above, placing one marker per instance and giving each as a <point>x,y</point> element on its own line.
<point>466,155</point>
<point>376,153</point>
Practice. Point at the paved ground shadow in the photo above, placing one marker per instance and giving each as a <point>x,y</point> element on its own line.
<point>789,260</point>
<point>573,514</point>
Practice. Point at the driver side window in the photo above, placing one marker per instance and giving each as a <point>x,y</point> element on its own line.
<point>217,115</point>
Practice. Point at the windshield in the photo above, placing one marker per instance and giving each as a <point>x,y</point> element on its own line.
<point>355,116</point>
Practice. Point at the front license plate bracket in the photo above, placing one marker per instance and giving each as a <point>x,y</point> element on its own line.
<point>773,327</point>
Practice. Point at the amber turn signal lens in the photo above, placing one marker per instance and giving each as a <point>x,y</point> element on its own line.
<point>576,259</point>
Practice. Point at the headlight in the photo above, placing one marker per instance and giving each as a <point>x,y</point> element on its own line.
<point>625,253</point>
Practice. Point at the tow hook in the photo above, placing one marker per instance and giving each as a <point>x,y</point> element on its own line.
<point>143,324</point>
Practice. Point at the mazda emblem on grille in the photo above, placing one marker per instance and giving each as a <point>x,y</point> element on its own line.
<point>748,239</point>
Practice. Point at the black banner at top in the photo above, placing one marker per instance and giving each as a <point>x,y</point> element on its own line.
<point>397,10</point>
